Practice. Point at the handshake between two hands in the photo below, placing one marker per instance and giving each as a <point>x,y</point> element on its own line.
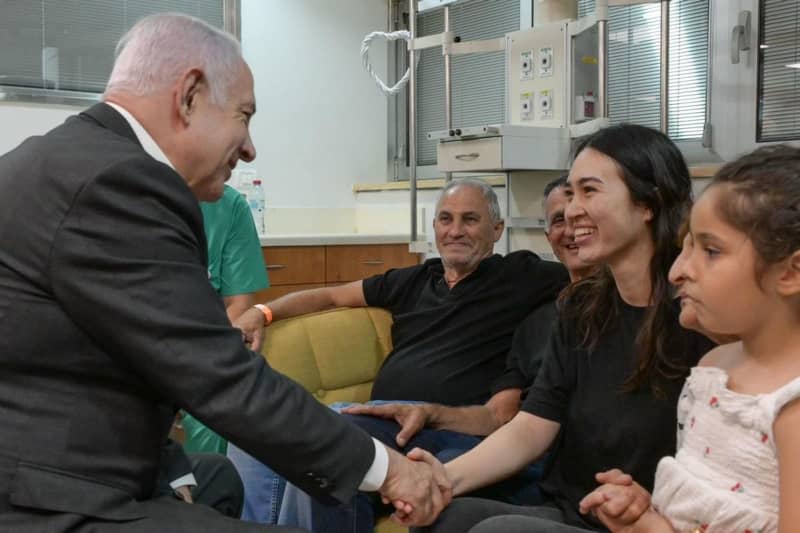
<point>417,486</point>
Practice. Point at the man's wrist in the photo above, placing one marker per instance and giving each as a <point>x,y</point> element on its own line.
<point>433,414</point>
<point>377,473</point>
<point>266,311</point>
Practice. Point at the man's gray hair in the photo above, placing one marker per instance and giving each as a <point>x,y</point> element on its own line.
<point>482,186</point>
<point>159,48</point>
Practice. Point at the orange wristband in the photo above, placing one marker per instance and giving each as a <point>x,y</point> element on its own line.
<point>267,313</point>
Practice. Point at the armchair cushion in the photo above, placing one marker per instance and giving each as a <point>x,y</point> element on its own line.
<point>335,355</point>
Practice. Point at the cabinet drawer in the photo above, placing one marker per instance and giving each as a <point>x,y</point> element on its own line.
<point>471,155</point>
<point>295,264</point>
<point>351,263</point>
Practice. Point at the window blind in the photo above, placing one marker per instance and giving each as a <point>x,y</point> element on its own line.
<point>69,44</point>
<point>778,114</point>
<point>634,41</point>
<point>634,60</point>
<point>478,80</point>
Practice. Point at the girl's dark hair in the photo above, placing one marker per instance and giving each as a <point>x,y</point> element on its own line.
<point>760,196</point>
<point>657,178</point>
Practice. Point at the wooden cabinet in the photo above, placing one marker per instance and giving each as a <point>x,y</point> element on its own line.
<point>295,264</point>
<point>295,268</point>
<point>349,263</point>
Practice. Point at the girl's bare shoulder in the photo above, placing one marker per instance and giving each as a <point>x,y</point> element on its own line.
<point>724,356</point>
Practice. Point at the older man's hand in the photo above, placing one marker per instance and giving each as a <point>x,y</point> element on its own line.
<point>419,489</point>
<point>412,417</point>
<point>251,322</point>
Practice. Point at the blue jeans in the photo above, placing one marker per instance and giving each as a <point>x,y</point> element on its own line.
<point>266,502</point>
<point>358,516</point>
<point>263,488</point>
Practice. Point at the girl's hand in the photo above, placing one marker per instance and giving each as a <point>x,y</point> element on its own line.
<point>618,502</point>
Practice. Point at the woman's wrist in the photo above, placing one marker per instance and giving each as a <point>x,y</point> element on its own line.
<point>652,522</point>
<point>454,477</point>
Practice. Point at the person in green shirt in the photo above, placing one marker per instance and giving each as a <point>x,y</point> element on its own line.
<point>236,271</point>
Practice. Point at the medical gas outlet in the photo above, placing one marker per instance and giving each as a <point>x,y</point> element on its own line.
<point>546,105</point>
<point>526,106</point>
<point>545,62</point>
<point>526,65</point>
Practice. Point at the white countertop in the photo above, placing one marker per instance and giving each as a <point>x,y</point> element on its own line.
<point>335,238</point>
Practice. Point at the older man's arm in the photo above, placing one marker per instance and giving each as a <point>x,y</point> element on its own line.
<point>252,321</point>
<point>479,420</point>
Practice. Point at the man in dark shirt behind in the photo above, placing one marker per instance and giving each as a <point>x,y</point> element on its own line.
<point>454,318</point>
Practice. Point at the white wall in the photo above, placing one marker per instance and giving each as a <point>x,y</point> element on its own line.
<point>321,124</point>
<point>19,121</point>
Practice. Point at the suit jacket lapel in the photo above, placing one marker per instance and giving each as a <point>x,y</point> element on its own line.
<point>109,118</point>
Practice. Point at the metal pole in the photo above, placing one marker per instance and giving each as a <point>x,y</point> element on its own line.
<point>602,67</point>
<point>665,66</point>
<point>412,118</point>
<point>448,87</point>
<point>707,129</point>
<point>601,12</point>
<point>393,114</point>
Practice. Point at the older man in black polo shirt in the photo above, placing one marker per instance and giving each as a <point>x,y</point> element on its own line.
<point>454,318</point>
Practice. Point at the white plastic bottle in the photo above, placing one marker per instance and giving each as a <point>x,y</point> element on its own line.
<point>257,202</point>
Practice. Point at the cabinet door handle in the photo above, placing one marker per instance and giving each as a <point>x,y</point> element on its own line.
<point>372,262</point>
<point>468,157</point>
<point>275,267</point>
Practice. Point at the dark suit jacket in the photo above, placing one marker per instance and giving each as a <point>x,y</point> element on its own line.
<point>108,324</point>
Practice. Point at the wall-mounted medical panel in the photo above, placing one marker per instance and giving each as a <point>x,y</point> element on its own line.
<point>537,82</point>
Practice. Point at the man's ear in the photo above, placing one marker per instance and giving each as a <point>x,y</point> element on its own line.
<point>191,84</point>
<point>788,283</point>
<point>498,229</point>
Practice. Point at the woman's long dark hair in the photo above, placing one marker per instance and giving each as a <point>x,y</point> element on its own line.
<point>656,175</point>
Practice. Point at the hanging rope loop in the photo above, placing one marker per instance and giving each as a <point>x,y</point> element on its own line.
<point>391,36</point>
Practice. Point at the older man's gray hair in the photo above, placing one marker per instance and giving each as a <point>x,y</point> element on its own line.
<point>482,186</point>
<point>159,48</point>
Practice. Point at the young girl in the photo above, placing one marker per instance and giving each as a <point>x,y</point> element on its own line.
<point>737,467</point>
<point>606,393</point>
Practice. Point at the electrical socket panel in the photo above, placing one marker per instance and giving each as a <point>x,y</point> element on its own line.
<point>526,106</point>
<point>526,65</point>
<point>546,105</point>
<point>546,62</point>
<point>537,97</point>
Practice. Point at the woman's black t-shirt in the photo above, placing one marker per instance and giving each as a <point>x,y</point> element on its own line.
<point>603,427</point>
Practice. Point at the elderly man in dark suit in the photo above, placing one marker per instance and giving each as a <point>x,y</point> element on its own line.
<point>108,322</point>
